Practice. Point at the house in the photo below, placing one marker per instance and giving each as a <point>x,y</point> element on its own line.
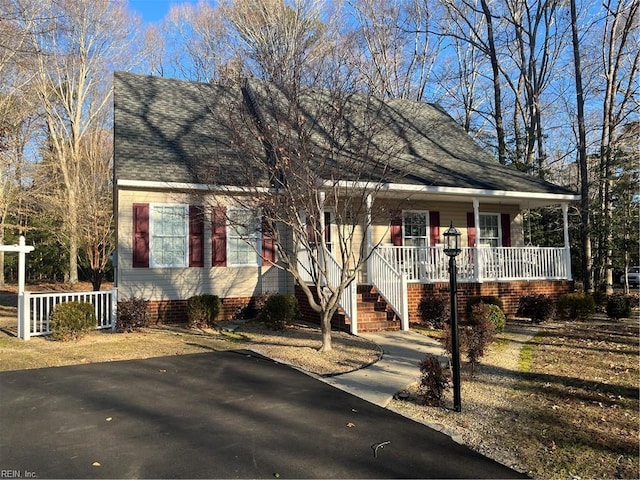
<point>180,180</point>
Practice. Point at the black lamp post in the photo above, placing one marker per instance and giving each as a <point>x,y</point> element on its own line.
<point>452,250</point>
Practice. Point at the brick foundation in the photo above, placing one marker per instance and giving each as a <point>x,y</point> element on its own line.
<point>175,311</point>
<point>508,292</point>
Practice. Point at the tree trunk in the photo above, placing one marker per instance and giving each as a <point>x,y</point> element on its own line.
<point>585,223</point>
<point>325,327</point>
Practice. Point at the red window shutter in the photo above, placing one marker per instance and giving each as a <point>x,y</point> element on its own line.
<point>140,235</point>
<point>471,230</point>
<point>268,245</point>
<point>396,228</point>
<point>219,237</point>
<point>434,228</point>
<point>505,222</point>
<point>196,236</point>
<point>312,236</point>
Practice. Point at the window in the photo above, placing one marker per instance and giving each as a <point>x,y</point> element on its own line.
<point>243,237</point>
<point>416,233</point>
<point>489,231</point>
<point>169,231</point>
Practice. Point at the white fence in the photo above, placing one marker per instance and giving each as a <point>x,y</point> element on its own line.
<point>34,309</point>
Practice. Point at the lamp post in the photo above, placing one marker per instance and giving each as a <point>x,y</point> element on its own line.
<point>452,250</point>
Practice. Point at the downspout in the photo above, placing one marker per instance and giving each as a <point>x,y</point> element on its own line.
<point>567,248</point>
<point>476,256</point>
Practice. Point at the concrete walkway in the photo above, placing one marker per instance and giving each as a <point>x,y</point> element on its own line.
<point>398,368</point>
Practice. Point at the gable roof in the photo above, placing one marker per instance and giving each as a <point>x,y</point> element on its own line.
<point>177,131</point>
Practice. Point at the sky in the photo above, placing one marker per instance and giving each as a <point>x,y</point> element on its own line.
<point>154,10</point>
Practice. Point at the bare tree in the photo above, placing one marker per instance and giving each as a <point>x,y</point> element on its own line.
<point>326,152</point>
<point>74,45</point>
<point>399,48</point>
<point>620,59</point>
<point>585,223</point>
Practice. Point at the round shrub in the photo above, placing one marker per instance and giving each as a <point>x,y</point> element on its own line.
<point>618,307</point>
<point>539,308</point>
<point>72,320</point>
<point>202,310</point>
<point>433,380</point>
<point>497,317</point>
<point>576,305</point>
<point>279,310</point>
<point>434,311</point>
<point>132,314</point>
<point>486,299</point>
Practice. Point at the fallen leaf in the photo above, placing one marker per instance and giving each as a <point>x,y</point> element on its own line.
<point>350,425</point>
<point>109,419</point>
<point>96,464</point>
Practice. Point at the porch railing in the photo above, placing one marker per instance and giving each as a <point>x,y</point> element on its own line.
<point>391,284</point>
<point>36,308</point>
<point>348,299</point>
<point>476,264</point>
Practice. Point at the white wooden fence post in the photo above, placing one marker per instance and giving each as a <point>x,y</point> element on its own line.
<point>114,308</point>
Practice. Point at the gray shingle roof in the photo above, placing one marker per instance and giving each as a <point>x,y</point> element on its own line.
<point>178,131</point>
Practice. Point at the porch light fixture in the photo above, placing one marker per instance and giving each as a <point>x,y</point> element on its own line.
<point>452,250</point>
<point>452,241</point>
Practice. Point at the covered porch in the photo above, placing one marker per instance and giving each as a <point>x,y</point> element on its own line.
<point>406,255</point>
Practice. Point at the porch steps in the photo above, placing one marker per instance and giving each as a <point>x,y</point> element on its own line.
<point>374,315</point>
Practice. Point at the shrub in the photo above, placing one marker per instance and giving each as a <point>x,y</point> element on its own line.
<point>476,334</point>
<point>72,320</point>
<point>539,308</point>
<point>618,307</point>
<point>202,310</point>
<point>497,317</point>
<point>132,314</point>
<point>434,311</point>
<point>253,308</point>
<point>576,305</point>
<point>279,310</point>
<point>433,380</point>
<point>487,299</point>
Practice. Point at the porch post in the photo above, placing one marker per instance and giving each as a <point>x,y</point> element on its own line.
<point>567,248</point>
<point>476,256</point>
<point>368,236</point>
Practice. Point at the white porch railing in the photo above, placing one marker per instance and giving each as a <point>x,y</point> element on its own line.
<point>391,284</point>
<point>477,264</point>
<point>35,309</point>
<point>348,301</point>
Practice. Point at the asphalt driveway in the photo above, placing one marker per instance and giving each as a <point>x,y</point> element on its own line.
<point>212,415</point>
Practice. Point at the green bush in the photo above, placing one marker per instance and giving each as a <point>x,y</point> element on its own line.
<point>576,305</point>
<point>539,308</point>
<point>433,380</point>
<point>72,320</point>
<point>497,317</point>
<point>203,310</point>
<point>279,310</point>
<point>487,299</point>
<point>618,307</point>
<point>434,311</point>
<point>132,314</point>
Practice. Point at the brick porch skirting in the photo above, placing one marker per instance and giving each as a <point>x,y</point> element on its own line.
<point>175,311</point>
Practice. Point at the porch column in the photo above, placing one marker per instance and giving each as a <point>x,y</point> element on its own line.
<point>476,256</point>
<point>567,248</point>
<point>368,235</point>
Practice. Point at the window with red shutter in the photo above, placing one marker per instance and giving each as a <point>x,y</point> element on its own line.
<point>140,235</point>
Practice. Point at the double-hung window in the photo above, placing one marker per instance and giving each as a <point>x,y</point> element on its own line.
<point>244,237</point>
<point>169,235</point>
<point>416,231</point>
<point>489,232</point>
